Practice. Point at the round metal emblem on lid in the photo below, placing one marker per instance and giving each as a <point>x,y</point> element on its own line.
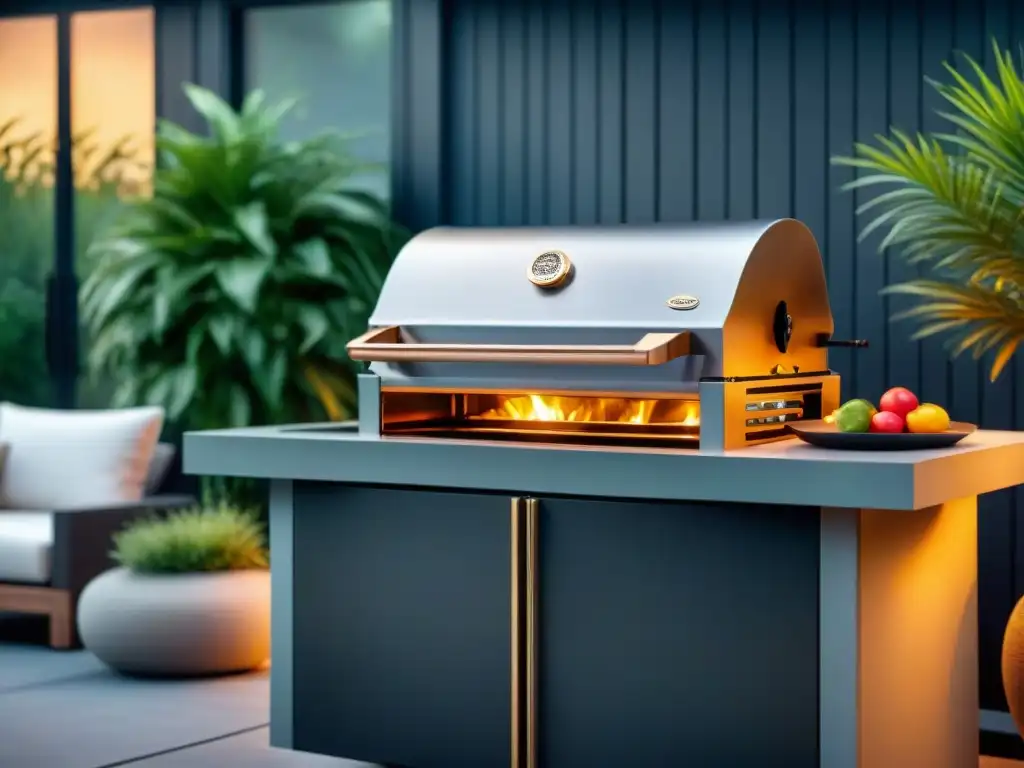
<point>683,302</point>
<point>550,269</point>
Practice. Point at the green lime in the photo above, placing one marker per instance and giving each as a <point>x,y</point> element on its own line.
<point>855,416</point>
<point>862,402</point>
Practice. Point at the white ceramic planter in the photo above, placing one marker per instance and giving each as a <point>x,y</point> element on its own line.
<point>180,624</point>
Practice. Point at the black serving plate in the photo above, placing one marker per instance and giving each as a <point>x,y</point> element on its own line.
<point>826,435</point>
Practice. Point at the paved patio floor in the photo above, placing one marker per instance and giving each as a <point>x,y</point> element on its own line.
<point>66,710</point>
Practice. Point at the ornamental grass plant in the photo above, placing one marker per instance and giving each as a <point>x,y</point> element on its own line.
<point>205,539</point>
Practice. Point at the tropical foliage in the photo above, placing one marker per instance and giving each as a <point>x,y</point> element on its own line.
<point>228,295</point>
<point>955,208</point>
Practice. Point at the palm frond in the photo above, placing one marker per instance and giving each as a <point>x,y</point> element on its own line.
<point>976,317</point>
<point>953,205</point>
<point>990,116</point>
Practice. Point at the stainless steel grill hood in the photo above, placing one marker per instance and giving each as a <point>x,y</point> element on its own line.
<point>655,309</point>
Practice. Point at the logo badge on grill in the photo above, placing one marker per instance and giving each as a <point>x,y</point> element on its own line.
<point>683,302</point>
<point>550,269</point>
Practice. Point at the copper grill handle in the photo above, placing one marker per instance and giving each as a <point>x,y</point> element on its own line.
<point>385,345</point>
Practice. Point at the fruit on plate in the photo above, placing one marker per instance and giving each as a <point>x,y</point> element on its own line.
<point>898,411</point>
<point>854,416</point>
<point>898,400</point>
<point>927,418</point>
<point>887,421</point>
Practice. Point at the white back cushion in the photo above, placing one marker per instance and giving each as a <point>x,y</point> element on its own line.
<point>68,459</point>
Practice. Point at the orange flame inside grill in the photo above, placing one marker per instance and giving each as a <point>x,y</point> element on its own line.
<point>616,410</point>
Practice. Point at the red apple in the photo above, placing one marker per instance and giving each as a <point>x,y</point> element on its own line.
<point>898,400</point>
<point>887,421</point>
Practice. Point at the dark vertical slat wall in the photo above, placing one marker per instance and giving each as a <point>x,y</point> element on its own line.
<point>559,124</point>
<point>741,105</point>
<point>968,37</point>
<point>419,139</point>
<point>998,529</point>
<point>608,111</point>
<point>810,118</point>
<point>712,92</point>
<point>487,119</point>
<point>871,71</point>
<point>536,118</point>
<point>772,172</point>
<point>839,235</point>
<point>585,134</point>
<point>641,126</point>
<point>903,361</point>
<point>678,177</point>
<point>513,118</point>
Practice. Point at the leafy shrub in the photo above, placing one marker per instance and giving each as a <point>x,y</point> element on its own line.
<point>22,321</point>
<point>204,539</point>
<point>229,295</point>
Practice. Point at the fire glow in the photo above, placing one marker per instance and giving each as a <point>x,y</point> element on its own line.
<point>607,410</point>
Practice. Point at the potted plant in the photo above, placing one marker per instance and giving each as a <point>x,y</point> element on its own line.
<point>229,294</point>
<point>954,205</point>
<point>191,596</point>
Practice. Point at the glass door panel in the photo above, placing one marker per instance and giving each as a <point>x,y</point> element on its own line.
<point>113,97</point>
<point>28,127</point>
<point>335,58</point>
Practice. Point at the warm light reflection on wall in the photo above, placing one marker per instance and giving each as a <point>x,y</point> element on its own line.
<point>113,80</point>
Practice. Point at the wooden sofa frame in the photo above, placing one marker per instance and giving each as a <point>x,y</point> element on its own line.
<point>82,542</point>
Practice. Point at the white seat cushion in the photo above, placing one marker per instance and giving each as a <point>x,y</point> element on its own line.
<point>69,459</point>
<point>26,543</point>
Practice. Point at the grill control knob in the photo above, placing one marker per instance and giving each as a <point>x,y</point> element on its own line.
<point>782,327</point>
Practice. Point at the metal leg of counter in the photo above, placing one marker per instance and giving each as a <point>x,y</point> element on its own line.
<point>282,612</point>
<point>898,638</point>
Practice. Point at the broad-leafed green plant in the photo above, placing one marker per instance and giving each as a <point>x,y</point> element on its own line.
<point>956,208</point>
<point>228,295</point>
<point>214,537</point>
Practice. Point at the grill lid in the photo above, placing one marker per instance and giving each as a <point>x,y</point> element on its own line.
<point>719,285</point>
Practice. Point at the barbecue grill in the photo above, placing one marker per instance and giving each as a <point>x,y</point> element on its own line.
<point>710,336</point>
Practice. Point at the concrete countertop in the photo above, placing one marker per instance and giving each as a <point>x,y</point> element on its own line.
<point>785,472</point>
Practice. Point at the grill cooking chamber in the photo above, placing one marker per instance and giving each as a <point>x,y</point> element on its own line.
<point>704,335</point>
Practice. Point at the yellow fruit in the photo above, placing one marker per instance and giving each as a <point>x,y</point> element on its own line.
<point>929,418</point>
